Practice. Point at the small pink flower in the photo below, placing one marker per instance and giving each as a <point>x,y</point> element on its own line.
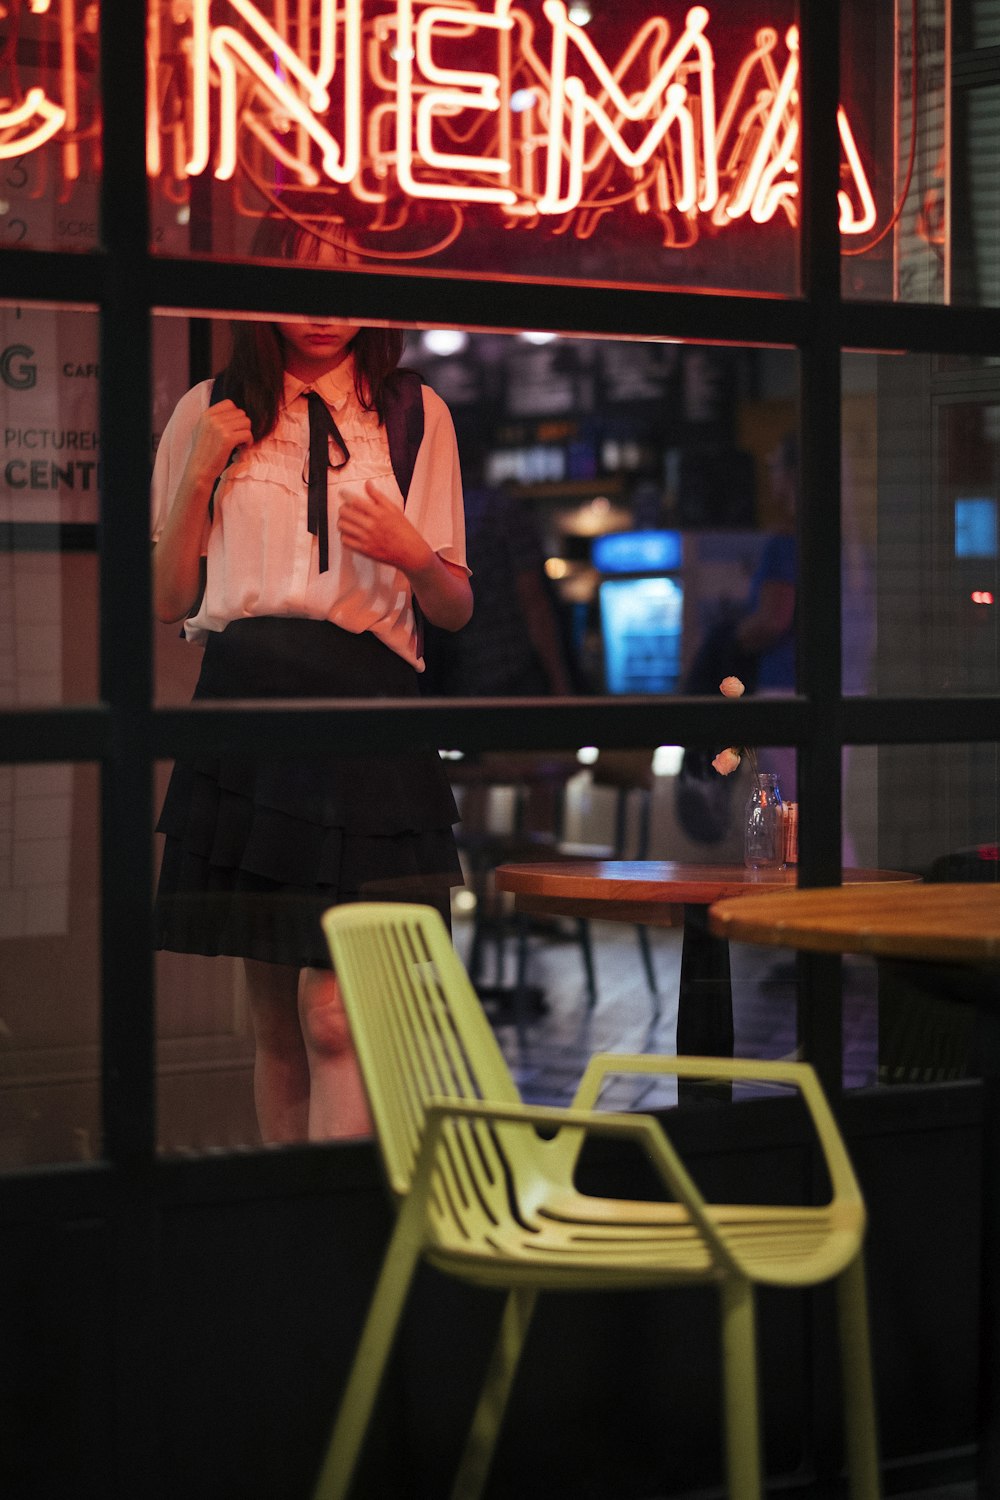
<point>727,760</point>
<point>731,687</point>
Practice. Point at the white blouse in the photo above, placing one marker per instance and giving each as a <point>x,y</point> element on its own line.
<point>262,560</point>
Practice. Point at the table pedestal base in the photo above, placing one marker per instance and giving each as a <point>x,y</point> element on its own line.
<point>704,1002</point>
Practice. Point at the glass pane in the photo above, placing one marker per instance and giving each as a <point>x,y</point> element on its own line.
<point>49,965</point>
<point>664,158</point>
<point>976,207</point>
<point>204,1047</point>
<point>591,469</point>
<point>50,126</point>
<point>938,811</point>
<point>977,24</point>
<point>921,489</point>
<point>648,476</point>
<point>49,498</point>
<point>896,93</point>
<point>625,504</point>
<point>938,815</point>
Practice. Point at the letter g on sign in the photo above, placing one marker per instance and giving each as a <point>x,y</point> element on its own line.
<point>15,369</point>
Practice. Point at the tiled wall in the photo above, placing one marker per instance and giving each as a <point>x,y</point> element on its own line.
<point>35,800</point>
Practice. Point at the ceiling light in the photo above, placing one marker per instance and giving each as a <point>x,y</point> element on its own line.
<point>444,341</point>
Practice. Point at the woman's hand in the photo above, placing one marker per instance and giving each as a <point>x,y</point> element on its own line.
<point>219,430</point>
<point>184,538</point>
<point>375,526</point>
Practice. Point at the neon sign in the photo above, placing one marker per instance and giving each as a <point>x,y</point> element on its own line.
<point>382,107</point>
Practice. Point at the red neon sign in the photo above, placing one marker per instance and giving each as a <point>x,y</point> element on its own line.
<point>387,106</point>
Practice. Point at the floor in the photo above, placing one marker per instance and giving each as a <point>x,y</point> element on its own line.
<point>551,1051</point>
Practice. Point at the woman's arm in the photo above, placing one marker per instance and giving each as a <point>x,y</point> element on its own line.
<point>375,526</point>
<point>184,537</point>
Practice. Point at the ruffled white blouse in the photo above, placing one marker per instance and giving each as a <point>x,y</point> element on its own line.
<point>262,560</point>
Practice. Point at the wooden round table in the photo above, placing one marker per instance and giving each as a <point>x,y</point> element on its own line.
<point>665,893</point>
<point>947,924</point>
<point>943,922</point>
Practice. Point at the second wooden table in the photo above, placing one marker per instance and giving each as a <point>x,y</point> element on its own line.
<point>665,893</point>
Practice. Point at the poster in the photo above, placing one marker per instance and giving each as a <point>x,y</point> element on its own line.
<point>50,459</point>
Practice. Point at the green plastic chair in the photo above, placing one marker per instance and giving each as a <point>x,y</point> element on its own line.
<point>482,1196</point>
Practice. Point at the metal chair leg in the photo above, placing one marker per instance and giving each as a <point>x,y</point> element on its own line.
<point>739,1375</point>
<point>372,1356</point>
<point>583,931</point>
<point>481,1441</point>
<point>858,1385</point>
<point>642,933</point>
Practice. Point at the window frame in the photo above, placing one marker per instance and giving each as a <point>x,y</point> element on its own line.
<point>126,732</point>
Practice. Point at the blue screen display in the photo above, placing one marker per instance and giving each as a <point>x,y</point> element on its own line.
<point>976,528</point>
<point>641,620</point>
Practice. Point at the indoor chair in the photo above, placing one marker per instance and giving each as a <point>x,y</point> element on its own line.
<point>482,1196</point>
<point>535,788</point>
<point>628,774</point>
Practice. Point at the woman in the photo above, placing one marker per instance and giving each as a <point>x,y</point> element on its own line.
<point>310,567</point>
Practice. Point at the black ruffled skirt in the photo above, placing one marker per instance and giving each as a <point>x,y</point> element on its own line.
<point>256,848</point>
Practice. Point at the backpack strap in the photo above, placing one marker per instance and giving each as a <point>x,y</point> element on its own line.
<point>404,424</point>
<point>217,394</point>
<point>403,412</point>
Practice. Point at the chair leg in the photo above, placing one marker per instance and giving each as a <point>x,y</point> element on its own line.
<point>583,931</point>
<point>522,1008</point>
<point>642,933</point>
<point>475,961</point>
<point>858,1384</point>
<point>500,950</point>
<point>481,1441</point>
<point>363,1384</point>
<point>739,1379</point>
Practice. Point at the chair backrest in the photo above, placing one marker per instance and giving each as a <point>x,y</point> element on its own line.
<point>420,1034</point>
<point>630,774</point>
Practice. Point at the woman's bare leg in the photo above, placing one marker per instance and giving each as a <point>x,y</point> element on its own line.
<point>337,1105</point>
<point>281,1069</point>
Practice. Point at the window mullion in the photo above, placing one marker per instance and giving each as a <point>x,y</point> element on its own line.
<point>819,520</point>
<point>126,629</point>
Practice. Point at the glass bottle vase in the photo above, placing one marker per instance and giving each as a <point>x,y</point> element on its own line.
<point>763,828</point>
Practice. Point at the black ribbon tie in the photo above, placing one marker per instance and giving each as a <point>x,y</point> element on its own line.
<point>322,428</point>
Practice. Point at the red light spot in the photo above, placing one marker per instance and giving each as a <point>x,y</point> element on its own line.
<point>981,596</point>
<point>989,851</point>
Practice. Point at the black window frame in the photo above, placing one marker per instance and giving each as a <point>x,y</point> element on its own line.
<point>126,732</point>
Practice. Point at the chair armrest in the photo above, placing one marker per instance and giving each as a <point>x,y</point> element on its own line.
<point>800,1075</point>
<point>644,1130</point>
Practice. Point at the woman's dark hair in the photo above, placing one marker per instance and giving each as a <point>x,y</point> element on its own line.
<point>254,374</point>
